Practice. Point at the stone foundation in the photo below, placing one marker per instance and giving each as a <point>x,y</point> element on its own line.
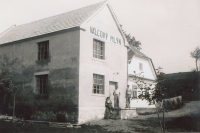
<point>69,115</point>
<point>84,114</point>
<point>128,113</point>
<point>90,113</point>
<point>118,113</point>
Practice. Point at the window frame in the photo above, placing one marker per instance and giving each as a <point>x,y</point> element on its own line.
<point>95,54</point>
<point>140,66</point>
<point>41,78</point>
<point>135,93</point>
<point>97,92</point>
<point>43,51</point>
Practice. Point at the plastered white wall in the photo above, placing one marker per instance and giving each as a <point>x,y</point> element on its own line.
<point>115,61</point>
<point>148,71</point>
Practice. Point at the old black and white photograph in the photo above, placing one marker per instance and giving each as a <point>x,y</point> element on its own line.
<point>99,66</point>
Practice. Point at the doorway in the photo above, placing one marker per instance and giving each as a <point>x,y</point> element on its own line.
<point>111,90</point>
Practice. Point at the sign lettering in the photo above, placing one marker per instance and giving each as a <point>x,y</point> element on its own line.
<point>105,35</point>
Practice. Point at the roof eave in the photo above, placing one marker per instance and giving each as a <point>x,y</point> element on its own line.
<point>56,32</point>
<point>132,76</point>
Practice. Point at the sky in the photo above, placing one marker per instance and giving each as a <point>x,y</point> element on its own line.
<point>168,29</point>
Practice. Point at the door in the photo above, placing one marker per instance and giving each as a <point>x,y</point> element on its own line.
<point>111,90</point>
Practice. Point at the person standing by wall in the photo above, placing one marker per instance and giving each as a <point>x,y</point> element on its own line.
<point>128,96</point>
<point>116,94</point>
<point>108,105</point>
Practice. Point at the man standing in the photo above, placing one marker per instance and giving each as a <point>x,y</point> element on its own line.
<point>128,96</point>
<point>116,94</point>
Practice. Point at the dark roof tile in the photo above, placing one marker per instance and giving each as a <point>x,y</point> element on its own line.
<point>52,24</point>
<point>134,51</point>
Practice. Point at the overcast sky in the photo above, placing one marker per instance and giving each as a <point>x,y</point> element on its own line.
<point>168,29</point>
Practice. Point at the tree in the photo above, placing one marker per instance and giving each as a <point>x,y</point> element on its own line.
<point>13,85</point>
<point>184,84</point>
<point>155,94</point>
<point>6,89</point>
<point>196,55</point>
<point>132,41</point>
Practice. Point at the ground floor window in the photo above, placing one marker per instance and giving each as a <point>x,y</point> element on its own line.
<point>134,94</point>
<point>134,88</point>
<point>98,84</point>
<point>42,84</point>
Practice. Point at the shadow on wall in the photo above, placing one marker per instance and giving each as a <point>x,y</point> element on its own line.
<point>59,105</point>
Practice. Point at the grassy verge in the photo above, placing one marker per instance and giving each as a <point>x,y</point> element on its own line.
<point>185,119</point>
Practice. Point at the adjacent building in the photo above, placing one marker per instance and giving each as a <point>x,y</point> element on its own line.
<point>142,71</point>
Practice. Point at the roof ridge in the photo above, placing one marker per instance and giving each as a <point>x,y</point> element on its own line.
<point>8,29</point>
<point>62,13</point>
<point>63,21</point>
<point>138,51</point>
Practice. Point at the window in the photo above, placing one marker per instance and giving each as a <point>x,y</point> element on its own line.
<point>98,49</point>
<point>41,84</point>
<point>98,84</point>
<point>140,66</point>
<point>43,50</point>
<point>134,88</point>
<point>135,94</point>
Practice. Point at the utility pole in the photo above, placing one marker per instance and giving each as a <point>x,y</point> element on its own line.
<point>13,108</point>
<point>14,92</point>
<point>163,113</point>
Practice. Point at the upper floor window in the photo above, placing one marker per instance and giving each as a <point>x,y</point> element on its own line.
<point>141,66</point>
<point>98,84</point>
<point>98,49</point>
<point>43,50</point>
<point>41,84</point>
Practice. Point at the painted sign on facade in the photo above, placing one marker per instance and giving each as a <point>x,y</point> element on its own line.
<point>105,36</point>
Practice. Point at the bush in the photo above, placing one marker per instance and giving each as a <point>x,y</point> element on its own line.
<point>166,104</point>
<point>178,101</point>
<point>173,103</point>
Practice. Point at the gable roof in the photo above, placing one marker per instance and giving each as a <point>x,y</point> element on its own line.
<point>51,24</point>
<point>133,51</point>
